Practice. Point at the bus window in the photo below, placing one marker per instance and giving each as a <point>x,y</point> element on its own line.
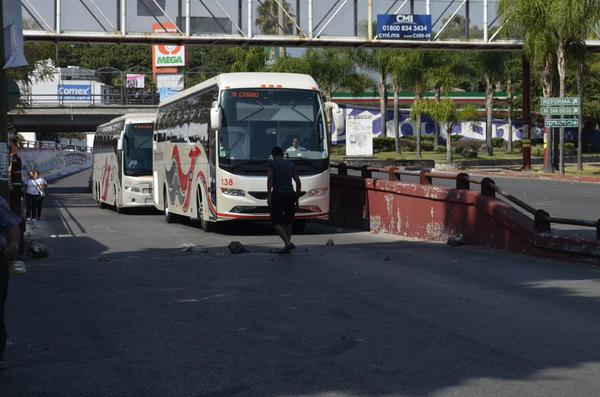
<point>137,149</point>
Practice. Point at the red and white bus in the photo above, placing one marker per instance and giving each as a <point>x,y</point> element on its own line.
<point>122,172</point>
<point>212,145</point>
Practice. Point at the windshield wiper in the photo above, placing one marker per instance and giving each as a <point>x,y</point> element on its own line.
<point>253,113</point>
<point>293,107</point>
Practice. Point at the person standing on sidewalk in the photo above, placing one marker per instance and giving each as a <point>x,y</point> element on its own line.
<point>281,197</point>
<point>31,197</point>
<point>41,185</point>
<point>10,233</point>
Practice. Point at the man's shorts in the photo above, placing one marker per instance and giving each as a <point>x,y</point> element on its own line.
<point>282,208</point>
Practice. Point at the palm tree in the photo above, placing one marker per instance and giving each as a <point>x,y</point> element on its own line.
<point>270,18</point>
<point>408,70</point>
<point>331,68</point>
<point>447,114</point>
<point>553,25</point>
<point>491,65</point>
<point>380,62</point>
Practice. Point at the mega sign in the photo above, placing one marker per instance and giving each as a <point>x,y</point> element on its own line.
<point>75,92</point>
<point>169,55</point>
<point>404,27</point>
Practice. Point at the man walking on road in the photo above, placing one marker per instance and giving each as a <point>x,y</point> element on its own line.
<point>281,197</point>
<point>10,233</point>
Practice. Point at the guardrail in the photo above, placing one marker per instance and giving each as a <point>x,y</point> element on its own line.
<point>106,99</point>
<point>541,219</point>
<point>54,146</point>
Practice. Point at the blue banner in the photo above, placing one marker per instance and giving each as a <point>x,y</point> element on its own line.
<point>404,27</point>
<point>75,92</point>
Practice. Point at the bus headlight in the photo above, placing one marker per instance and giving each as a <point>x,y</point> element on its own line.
<point>233,192</point>
<point>135,189</point>
<point>317,192</point>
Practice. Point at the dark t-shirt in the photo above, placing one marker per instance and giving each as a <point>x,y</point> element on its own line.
<point>283,173</point>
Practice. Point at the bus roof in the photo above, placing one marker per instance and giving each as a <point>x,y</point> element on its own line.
<point>250,80</point>
<point>133,117</point>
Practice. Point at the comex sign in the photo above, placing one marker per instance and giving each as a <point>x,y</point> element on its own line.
<point>169,55</point>
<point>75,92</point>
<point>404,27</point>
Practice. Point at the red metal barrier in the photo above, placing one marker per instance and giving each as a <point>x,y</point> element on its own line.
<point>430,212</point>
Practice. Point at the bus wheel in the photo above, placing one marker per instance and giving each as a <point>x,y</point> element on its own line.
<point>205,225</point>
<point>169,217</point>
<point>98,200</point>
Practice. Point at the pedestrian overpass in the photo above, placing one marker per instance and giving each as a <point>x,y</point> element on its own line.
<point>456,24</point>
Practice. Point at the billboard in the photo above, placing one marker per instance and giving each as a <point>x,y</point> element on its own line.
<point>404,27</point>
<point>166,57</point>
<point>135,80</point>
<point>75,92</point>
<point>169,56</point>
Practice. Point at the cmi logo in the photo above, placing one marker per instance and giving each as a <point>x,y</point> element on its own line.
<point>404,18</point>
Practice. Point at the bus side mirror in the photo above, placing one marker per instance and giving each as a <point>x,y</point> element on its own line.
<point>120,144</point>
<point>338,116</point>
<point>215,117</point>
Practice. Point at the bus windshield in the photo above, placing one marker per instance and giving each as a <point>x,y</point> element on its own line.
<point>137,149</point>
<point>256,120</point>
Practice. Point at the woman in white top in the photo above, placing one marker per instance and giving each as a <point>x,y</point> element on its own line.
<point>42,185</point>
<point>34,194</point>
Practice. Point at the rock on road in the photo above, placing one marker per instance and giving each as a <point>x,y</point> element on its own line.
<point>121,309</point>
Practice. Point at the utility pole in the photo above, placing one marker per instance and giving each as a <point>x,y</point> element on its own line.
<point>4,188</point>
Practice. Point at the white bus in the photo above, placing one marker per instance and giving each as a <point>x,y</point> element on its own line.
<point>122,171</point>
<point>212,144</point>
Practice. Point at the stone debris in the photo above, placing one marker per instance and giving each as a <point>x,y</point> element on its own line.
<point>330,243</point>
<point>38,250</point>
<point>235,247</point>
<point>456,240</point>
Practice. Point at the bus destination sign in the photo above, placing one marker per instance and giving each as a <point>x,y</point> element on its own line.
<point>404,27</point>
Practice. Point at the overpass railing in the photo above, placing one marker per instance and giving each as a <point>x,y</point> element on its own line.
<point>542,220</point>
<point>54,146</point>
<point>91,100</point>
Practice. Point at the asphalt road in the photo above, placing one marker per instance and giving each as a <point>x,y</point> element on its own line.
<point>120,310</point>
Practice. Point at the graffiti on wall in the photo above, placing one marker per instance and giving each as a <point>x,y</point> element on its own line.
<point>54,164</point>
<point>408,126</point>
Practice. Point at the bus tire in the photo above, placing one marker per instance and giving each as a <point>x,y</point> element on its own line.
<point>98,199</point>
<point>205,225</point>
<point>169,217</point>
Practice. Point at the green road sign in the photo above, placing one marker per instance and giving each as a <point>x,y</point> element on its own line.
<point>564,111</point>
<point>559,102</point>
<point>562,123</point>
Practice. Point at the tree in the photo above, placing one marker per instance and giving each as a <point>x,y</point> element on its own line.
<point>271,19</point>
<point>380,62</point>
<point>553,25</point>
<point>408,70</point>
<point>492,66</point>
<point>331,68</point>
<point>447,114</point>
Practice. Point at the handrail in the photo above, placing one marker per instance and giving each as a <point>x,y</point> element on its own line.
<point>542,219</point>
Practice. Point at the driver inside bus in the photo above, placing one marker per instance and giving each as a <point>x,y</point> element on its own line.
<point>295,146</point>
